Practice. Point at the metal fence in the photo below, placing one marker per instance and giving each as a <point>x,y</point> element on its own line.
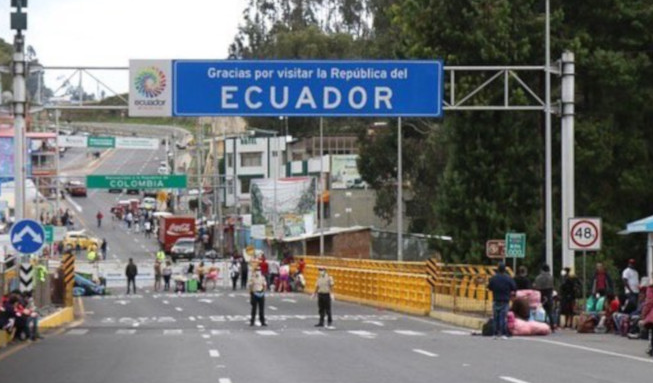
<point>384,246</point>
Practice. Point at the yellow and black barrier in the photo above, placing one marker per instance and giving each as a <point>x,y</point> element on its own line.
<point>68,265</point>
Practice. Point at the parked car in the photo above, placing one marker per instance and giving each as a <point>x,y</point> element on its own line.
<point>76,189</point>
<point>116,190</point>
<point>133,191</point>
<point>183,248</point>
<point>163,170</point>
<point>84,240</point>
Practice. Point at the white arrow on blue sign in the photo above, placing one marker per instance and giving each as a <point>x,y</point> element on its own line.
<point>27,236</point>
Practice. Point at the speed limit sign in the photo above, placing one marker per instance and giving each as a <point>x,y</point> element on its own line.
<point>585,233</point>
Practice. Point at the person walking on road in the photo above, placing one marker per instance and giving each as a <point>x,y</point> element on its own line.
<point>503,288</point>
<point>147,229</point>
<point>244,271</point>
<point>234,273</point>
<point>158,273</point>
<point>131,271</point>
<point>274,274</point>
<point>167,274</point>
<point>630,277</point>
<point>324,291</point>
<point>544,283</point>
<point>160,256</point>
<point>99,217</point>
<point>257,287</point>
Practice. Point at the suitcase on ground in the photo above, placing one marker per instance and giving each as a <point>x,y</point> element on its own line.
<point>191,286</point>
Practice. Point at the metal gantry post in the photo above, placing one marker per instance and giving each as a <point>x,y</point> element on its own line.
<point>57,165</point>
<point>548,195</point>
<point>567,141</point>
<point>400,196</point>
<point>321,195</point>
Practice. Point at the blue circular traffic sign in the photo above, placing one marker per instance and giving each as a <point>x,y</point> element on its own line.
<point>27,236</point>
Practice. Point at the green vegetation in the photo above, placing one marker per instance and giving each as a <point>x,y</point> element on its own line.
<point>475,176</point>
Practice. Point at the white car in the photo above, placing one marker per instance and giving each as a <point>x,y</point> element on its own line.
<point>163,170</point>
<point>148,203</point>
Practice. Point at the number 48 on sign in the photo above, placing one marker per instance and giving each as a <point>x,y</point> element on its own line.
<point>585,234</point>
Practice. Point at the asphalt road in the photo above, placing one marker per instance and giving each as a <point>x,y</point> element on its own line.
<point>196,337</point>
<point>122,244</point>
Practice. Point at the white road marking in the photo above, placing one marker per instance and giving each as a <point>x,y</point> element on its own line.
<point>89,312</point>
<point>363,334</point>
<point>289,300</point>
<point>219,332</point>
<point>224,380</point>
<point>409,332</point>
<point>512,380</point>
<point>314,332</point>
<point>205,301</point>
<point>214,353</point>
<point>430,354</point>
<point>273,308</point>
<point>266,333</point>
<point>206,336</point>
<point>75,205</point>
<point>173,332</point>
<point>121,302</point>
<point>595,350</point>
<point>179,309</point>
<point>456,332</point>
<point>77,331</point>
<point>200,326</point>
<point>125,332</point>
<point>376,323</point>
<point>165,302</point>
<point>192,319</point>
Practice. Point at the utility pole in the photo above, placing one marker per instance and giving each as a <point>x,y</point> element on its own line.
<point>548,155</point>
<point>400,196</point>
<point>57,165</point>
<point>19,70</point>
<point>567,141</point>
<point>198,150</point>
<point>321,195</point>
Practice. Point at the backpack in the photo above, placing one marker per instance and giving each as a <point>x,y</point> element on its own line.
<point>488,328</point>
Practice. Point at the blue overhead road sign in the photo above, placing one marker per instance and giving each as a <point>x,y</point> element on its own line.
<point>27,236</point>
<point>286,88</point>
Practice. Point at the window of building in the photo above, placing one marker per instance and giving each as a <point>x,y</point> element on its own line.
<point>244,185</point>
<point>230,160</point>
<point>230,187</point>
<point>251,159</point>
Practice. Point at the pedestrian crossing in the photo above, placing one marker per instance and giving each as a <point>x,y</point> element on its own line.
<point>207,334</point>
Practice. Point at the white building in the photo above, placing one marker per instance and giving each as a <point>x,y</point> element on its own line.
<point>248,158</point>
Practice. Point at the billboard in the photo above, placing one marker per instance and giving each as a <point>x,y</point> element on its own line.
<point>371,88</point>
<point>344,172</point>
<point>293,206</point>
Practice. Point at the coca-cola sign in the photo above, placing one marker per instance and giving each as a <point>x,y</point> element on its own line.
<point>180,229</point>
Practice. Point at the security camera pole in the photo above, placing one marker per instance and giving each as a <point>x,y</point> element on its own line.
<point>18,69</point>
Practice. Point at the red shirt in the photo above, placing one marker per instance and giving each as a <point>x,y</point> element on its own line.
<point>614,305</point>
<point>264,267</point>
<point>301,266</point>
<point>601,281</point>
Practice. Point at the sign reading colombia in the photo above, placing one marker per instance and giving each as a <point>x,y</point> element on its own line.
<point>286,88</point>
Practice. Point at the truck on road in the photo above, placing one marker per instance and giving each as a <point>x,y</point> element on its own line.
<point>174,227</point>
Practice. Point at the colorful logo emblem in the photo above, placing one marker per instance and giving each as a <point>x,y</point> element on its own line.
<point>150,82</point>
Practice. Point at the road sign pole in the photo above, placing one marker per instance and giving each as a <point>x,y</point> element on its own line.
<point>514,265</point>
<point>19,67</point>
<point>584,274</point>
<point>567,141</point>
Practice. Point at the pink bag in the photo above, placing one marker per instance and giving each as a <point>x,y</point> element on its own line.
<point>511,321</point>
<point>534,297</point>
<point>526,328</point>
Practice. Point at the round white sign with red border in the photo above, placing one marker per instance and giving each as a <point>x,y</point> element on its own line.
<point>585,233</point>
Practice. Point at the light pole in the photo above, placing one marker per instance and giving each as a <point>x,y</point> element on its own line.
<point>400,196</point>
<point>547,122</point>
<point>321,195</point>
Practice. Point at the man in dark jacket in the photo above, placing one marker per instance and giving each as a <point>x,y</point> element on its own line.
<point>502,287</point>
<point>521,280</point>
<point>544,284</point>
<point>131,271</point>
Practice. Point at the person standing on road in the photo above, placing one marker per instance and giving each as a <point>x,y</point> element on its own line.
<point>234,273</point>
<point>521,280</point>
<point>131,271</point>
<point>503,288</point>
<point>167,274</point>
<point>201,272</point>
<point>274,274</point>
<point>544,283</point>
<point>601,282</point>
<point>630,277</point>
<point>158,273</point>
<point>160,256</point>
<point>324,291</point>
<point>103,249</point>
<point>244,271</point>
<point>99,217</point>
<point>147,229</point>
<point>257,287</point>
<point>129,218</point>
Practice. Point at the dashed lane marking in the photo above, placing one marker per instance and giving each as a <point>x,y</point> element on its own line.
<point>409,332</point>
<point>219,332</point>
<point>314,332</point>
<point>266,333</point>
<point>77,331</point>
<point>429,354</point>
<point>590,349</point>
<point>173,332</point>
<point>456,332</point>
<point>179,309</point>
<point>206,336</point>
<point>289,300</point>
<point>363,334</point>
<point>165,302</point>
<point>512,380</point>
<point>192,319</point>
<point>273,308</point>
<point>224,380</point>
<point>125,332</point>
<point>214,353</point>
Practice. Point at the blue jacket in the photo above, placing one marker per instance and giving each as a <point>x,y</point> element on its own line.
<point>502,286</point>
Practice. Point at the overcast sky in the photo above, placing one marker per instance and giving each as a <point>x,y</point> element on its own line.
<point>110,32</point>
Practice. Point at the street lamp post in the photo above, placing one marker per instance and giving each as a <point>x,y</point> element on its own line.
<point>400,196</point>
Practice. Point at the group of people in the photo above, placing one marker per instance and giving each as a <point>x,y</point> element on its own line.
<point>629,314</point>
<point>258,286</point>
<point>19,317</point>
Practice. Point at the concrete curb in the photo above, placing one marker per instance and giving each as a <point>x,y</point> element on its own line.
<point>473,323</point>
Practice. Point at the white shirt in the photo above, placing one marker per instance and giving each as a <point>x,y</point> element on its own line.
<point>632,277</point>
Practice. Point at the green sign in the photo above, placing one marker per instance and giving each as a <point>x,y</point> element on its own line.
<point>516,245</point>
<point>49,234</point>
<point>136,182</point>
<point>101,142</point>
